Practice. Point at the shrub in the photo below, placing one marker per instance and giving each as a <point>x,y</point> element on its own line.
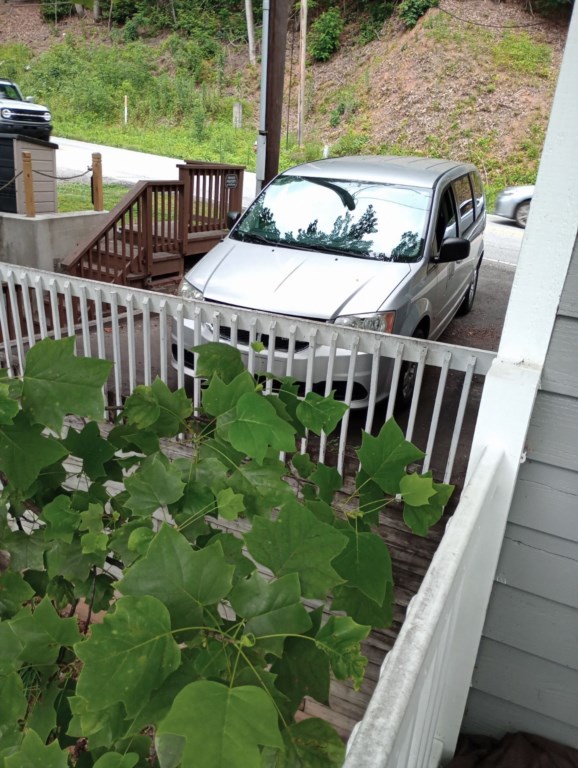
<point>53,10</point>
<point>325,34</point>
<point>410,11</point>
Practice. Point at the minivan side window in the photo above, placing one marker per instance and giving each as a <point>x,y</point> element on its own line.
<point>446,220</point>
<point>478,194</point>
<point>465,201</point>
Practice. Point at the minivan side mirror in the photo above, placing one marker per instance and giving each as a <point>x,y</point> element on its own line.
<point>232,218</point>
<point>453,249</point>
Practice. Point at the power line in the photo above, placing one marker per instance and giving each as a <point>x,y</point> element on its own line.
<point>496,26</point>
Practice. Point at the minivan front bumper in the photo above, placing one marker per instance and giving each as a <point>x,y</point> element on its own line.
<point>305,365</point>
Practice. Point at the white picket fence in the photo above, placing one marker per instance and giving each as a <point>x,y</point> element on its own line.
<point>143,333</point>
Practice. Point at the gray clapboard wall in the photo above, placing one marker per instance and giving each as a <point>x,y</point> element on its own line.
<point>526,674</point>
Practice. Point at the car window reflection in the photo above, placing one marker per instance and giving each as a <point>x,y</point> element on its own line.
<point>384,222</point>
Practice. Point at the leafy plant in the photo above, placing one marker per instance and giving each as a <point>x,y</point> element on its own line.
<point>325,34</point>
<point>54,10</point>
<point>186,653</point>
<point>411,11</point>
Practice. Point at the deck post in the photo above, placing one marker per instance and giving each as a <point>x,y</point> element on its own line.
<point>28,184</point>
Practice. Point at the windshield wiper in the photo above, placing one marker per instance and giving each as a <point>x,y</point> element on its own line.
<point>254,237</point>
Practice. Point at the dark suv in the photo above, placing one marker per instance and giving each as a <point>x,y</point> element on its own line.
<point>22,116</point>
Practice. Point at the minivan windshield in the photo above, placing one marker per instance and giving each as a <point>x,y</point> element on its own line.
<point>364,219</point>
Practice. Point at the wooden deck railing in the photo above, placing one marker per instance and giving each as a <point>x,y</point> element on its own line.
<point>145,239</point>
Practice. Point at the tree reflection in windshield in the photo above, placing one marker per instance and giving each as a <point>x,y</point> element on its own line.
<point>373,221</point>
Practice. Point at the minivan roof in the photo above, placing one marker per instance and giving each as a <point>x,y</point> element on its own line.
<point>413,171</point>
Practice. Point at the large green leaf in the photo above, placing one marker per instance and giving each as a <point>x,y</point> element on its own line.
<point>385,457</point>
<point>262,486</point>
<point>42,633</point>
<point>220,359</point>
<point>42,714</point>
<point>89,446</point>
<point>61,519</point>
<point>186,581</point>
<point>157,409</point>
<point>236,722</point>
<point>134,647</point>
<point>57,383</point>
<point>103,727</point>
<point>420,517</point>
<point>128,437</point>
<point>154,485</point>
<point>303,670</point>
<point>24,451</point>
<point>297,542</point>
<point>230,504</point>
<point>69,561</point>
<point>365,564</point>
<point>320,414</point>
<point>34,753</point>
<point>13,701</point>
<point>26,550</point>
<point>189,511</point>
<point>272,609</point>
<point>417,490</point>
<point>363,609</point>
<point>340,639</point>
<point>254,426</point>
<point>9,407</point>
<point>218,397</point>
<point>14,592</point>
<point>328,480</point>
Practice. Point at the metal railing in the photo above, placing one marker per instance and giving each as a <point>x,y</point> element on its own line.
<point>144,334</point>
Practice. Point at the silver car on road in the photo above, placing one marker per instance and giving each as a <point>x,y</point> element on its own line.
<point>514,203</point>
<point>391,244</point>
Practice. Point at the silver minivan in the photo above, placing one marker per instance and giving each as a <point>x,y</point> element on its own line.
<point>390,244</point>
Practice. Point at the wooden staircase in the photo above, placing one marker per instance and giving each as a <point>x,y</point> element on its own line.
<point>146,238</point>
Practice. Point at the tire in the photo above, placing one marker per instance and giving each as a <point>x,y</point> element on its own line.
<point>468,300</point>
<point>521,214</point>
<point>406,383</point>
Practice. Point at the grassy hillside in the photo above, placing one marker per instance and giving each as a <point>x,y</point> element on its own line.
<point>473,80</point>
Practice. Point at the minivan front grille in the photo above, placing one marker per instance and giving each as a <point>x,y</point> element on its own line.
<point>243,337</point>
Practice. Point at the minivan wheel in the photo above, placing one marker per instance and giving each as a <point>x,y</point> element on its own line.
<point>468,300</point>
<point>407,377</point>
<point>521,215</point>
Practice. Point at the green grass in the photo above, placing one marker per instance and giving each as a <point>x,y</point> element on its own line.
<point>73,196</point>
<point>180,103</point>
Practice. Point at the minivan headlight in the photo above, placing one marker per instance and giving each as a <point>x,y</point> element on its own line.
<point>376,321</point>
<point>188,292</point>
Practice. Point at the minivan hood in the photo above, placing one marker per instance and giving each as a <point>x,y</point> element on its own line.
<point>290,281</point>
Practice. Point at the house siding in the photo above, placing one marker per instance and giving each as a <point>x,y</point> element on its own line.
<point>526,673</point>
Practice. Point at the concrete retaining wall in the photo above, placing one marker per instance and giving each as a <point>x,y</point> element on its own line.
<point>43,241</point>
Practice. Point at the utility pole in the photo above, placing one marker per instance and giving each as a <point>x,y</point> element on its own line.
<point>302,53</point>
<point>278,23</point>
<point>275,22</point>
